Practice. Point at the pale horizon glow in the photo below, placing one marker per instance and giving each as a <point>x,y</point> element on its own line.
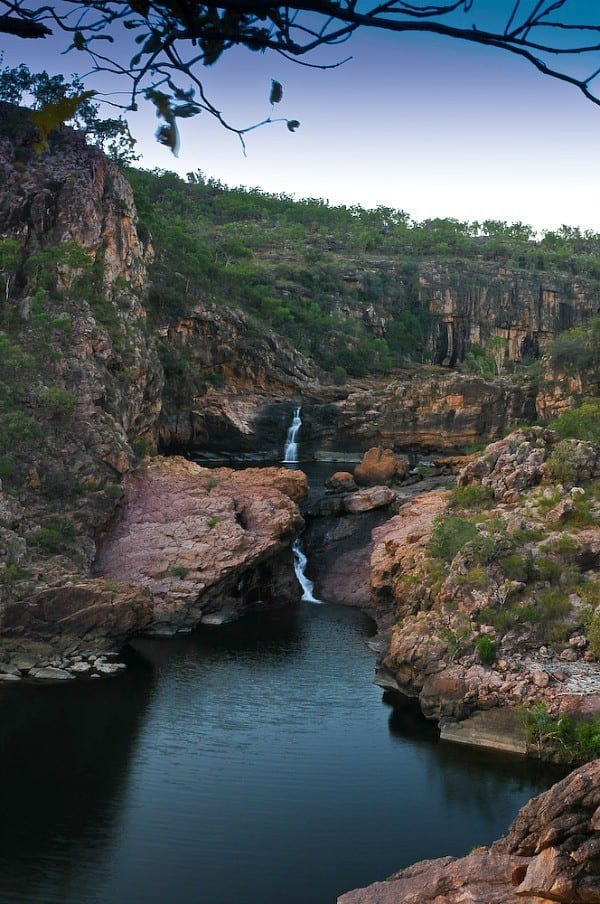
<point>432,126</point>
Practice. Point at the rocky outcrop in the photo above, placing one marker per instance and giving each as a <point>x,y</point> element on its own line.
<point>196,539</point>
<point>520,462</point>
<point>419,410</point>
<point>551,853</point>
<point>83,380</point>
<point>492,614</point>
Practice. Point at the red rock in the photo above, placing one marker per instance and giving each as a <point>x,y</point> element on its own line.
<point>367,500</point>
<point>518,868</point>
<point>185,532</point>
<point>341,482</point>
<point>380,466</point>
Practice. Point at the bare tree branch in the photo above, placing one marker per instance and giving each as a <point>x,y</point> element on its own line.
<point>173,39</point>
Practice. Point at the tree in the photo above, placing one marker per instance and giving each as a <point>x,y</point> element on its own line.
<point>172,39</point>
<point>55,100</point>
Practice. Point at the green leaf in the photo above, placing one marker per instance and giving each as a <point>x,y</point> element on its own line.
<point>293,124</point>
<point>276,92</point>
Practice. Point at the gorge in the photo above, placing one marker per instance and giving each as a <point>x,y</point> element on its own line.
<point>107,545</point>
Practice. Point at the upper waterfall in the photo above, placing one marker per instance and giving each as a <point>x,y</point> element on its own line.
<point>290,450</point>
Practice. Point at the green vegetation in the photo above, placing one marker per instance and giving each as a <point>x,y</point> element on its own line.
<point>473,496</point>
<point>485,649</point>
<point>178,571</point>
<point>568,739</point>
<point>54,101</point>
<point>449,535</point>
<point>315,272</point>
<point>582,422</point>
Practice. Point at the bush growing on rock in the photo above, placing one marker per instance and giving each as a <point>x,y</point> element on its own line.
<point>486,649</point>
<point>449,535</point>
<point>582,422</point>
<point>472,496</point>
<point>570,740</point>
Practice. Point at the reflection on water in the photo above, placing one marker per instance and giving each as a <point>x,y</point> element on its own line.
<point>253,763</point>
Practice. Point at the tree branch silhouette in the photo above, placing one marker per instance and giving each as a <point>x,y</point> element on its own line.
<point>171,40</point>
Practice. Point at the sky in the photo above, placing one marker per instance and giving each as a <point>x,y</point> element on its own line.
<point>429,125</point>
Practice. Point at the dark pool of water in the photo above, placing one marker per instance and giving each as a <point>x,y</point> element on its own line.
<point>252,764</point>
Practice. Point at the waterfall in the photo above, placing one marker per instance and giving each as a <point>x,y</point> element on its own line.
<point>290,451</point>
<point>299,566</point>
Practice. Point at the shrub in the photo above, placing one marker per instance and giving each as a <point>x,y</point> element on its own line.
<point>580,423</point>
<point>212,522</point>
<point>339,375</point>
<point>570,739</point>
<point>554,603</point>
<point>486,649</point>
<point>476,577</point>
<point>178,571</point>
<point>473,496</point>
<point>60,404</point>
<point>449,535</point>
<point>592,629</point>
<point>548,569</point>
<point>517,567</point>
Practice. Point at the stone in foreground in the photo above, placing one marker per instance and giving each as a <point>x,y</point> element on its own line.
<point>551,853</point>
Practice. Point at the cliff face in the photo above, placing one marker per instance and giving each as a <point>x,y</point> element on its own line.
<point>473,301</point>
<point>420,411</point>
<point>224,379</point>
<point>80,381</point>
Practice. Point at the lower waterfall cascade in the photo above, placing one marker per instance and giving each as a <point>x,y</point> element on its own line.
<point>299,566</point>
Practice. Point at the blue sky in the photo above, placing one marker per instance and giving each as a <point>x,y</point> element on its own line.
<point>434,126</point>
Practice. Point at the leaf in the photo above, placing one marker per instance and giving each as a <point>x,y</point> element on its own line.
<point>140,6</point>
<point>161,102</point>
<point>293,124</point>
<point>153,44</point>
<point>53,115</point>
<point>276,92</point>
<point>168,135</point>
<point>212,49</point>
<point>184,111</point>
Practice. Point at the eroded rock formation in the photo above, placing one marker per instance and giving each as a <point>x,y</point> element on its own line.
<point>551,853</point>
<point>194,538</point>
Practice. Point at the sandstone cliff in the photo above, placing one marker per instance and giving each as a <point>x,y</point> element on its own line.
<point>473,301</point>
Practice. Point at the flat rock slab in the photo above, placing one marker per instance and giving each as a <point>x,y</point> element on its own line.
<point>500,729</point>
<point>49,673</point>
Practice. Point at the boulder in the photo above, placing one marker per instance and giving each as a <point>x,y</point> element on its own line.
<point>341,482</point>
<point>551,853</point>
<point>380,466</point>
<point>367,500</point>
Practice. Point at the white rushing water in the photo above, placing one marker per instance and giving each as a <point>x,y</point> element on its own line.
<point>290,450</point>
<point>299,566</point>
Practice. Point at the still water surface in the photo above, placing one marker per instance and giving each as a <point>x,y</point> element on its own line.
<point>252,764</point>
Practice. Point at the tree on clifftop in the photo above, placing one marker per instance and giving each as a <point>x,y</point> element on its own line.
<point>159,48</point>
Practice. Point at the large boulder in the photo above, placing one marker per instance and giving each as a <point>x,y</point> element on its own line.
<point>380,466</point>
<point>190,536</point>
